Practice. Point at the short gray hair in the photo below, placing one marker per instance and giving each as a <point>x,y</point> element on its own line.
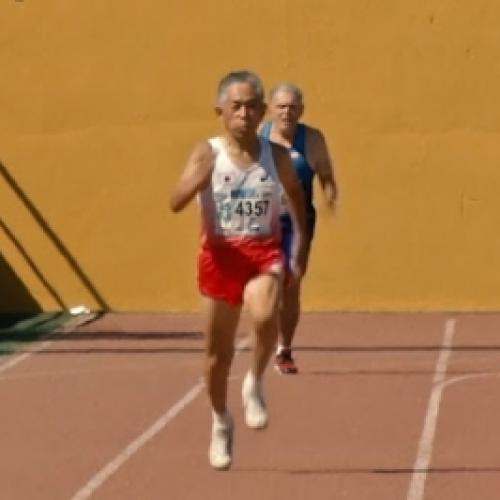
<point>289,88</point>
<point>242,76</point>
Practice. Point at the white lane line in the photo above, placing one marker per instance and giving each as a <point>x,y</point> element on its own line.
<point>108,470</point>
<point>21,357</point>
<point>111,467</point>
<point>424,454</point>
<point>466,378</point>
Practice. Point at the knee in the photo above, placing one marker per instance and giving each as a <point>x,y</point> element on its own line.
<point>266,334</point>
<point>263,308</point>
<point>291,293</point>
<point>220,360</point>
<point>265,321</point>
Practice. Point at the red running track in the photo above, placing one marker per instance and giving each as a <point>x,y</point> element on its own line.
<point>386,407</point>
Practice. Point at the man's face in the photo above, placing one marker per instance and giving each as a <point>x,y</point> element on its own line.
<point>241,110</point>
<point>285,110</point>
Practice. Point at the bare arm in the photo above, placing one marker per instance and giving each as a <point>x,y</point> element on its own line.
<point>194,178</point>
<point>295,203</point>
<point>318,155</point>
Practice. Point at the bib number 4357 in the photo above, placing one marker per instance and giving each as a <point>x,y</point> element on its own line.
<point>250,208</point>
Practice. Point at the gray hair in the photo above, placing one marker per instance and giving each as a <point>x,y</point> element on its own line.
<point>289,88</point>
<point>242,76</point>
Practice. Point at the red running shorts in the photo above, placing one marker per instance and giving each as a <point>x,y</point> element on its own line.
<point>224,269</point>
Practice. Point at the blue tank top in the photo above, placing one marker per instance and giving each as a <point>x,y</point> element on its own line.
<point>302,168</point>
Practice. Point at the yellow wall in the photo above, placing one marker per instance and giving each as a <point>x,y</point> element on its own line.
<point>101,102</point>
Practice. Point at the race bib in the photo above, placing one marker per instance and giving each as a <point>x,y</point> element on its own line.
<point>244,211</point>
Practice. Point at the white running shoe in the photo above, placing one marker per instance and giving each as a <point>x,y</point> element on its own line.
<point>221,445</point>
<point>253,401</point>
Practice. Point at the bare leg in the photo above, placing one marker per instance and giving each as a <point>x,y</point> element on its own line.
<point>289,314</point>
<point>262,297</point>
<point>220,329</point>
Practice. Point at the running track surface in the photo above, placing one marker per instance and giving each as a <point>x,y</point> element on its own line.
<point>386,407</point>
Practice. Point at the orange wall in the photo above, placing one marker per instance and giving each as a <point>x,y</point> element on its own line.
<point>101,102</point>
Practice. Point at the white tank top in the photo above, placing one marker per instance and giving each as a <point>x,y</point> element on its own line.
<point>242,202</point>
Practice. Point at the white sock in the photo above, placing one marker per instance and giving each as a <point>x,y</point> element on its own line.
<point>221,419</point>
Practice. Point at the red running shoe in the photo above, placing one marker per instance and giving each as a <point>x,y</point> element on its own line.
<point>284,362</point>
